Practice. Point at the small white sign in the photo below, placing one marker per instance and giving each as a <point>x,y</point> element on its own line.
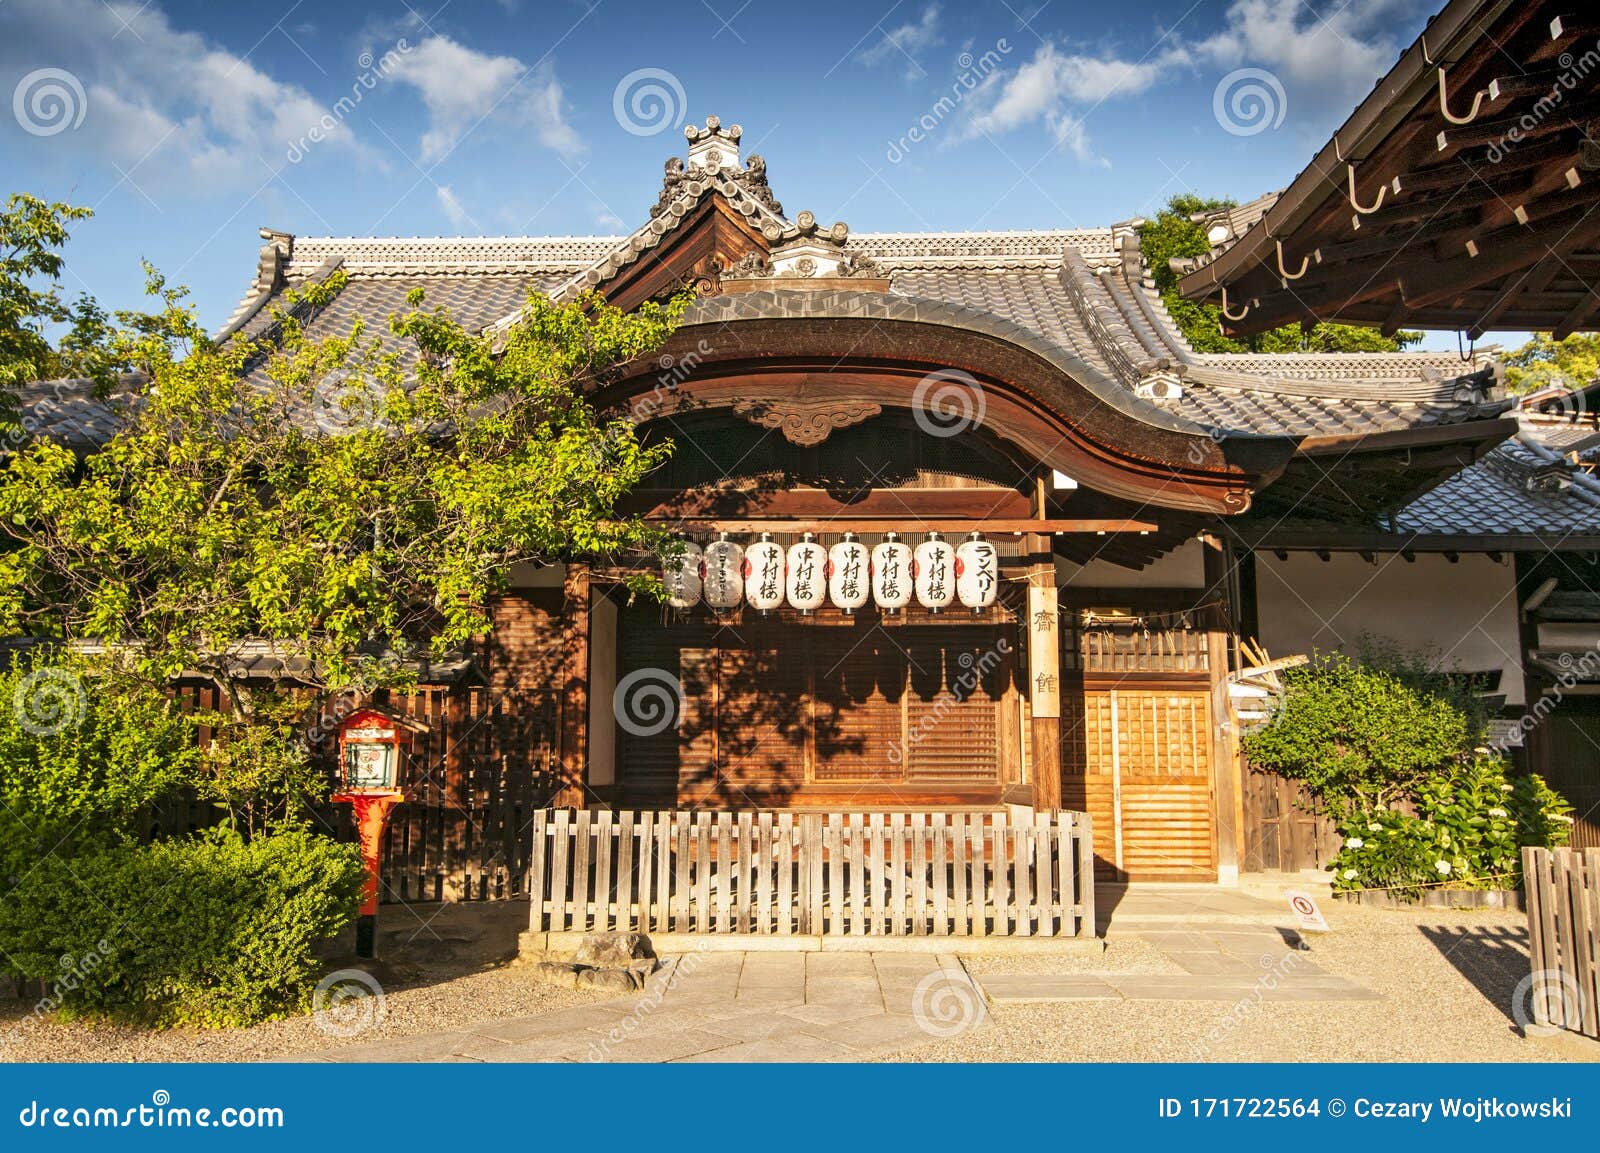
<point>1305,908</point>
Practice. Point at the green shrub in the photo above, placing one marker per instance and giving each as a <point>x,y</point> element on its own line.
<point>1466,832</point>
<point>82,751</point>
<point>1369,734</point>
<point>207,930</point>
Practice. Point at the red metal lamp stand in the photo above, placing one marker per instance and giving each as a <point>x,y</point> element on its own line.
<point>371,808</point>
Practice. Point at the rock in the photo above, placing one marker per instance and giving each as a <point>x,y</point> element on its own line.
<point>610,980</point>
<point>555,973</point>
<point>613,950</point>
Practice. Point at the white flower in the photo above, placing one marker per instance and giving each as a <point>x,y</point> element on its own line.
<point>1374,827</point>
<point>1442,866</point>
<point>1507,789</point>
<point>1354,843</point>
<point>1497,813</point>
<point>1349,874</point>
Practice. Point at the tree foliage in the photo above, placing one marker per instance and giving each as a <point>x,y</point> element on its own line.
<point>1174,234</point>
<point>359,493</point>
<point>1573,362</point>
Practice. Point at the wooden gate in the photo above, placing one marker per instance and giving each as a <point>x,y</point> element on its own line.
<point>1147,780</point>
<point>838,874</point>
<point>1563,900</point>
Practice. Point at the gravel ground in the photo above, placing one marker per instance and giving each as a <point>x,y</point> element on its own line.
<point>447,966</point>
<point>1447,979</point>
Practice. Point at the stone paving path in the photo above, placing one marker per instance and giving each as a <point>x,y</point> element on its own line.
<point>730,1007</point>
<point>1223,963</point>
<point>827,1006</point>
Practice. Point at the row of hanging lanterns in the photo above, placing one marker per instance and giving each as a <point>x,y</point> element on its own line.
<point>764,575</point>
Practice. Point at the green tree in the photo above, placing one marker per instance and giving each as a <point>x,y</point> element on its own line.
<point>1173,233</point>
<point>340,497</point>
<point>1573,362</point>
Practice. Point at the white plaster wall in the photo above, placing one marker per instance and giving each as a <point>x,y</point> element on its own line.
<point>1466,611</point>
<point>1182,568</point>
<point>602,687</point>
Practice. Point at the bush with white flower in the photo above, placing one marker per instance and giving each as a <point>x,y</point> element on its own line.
<point>1464,829</point>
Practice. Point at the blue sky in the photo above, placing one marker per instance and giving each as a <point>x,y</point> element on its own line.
<point>188,125</point>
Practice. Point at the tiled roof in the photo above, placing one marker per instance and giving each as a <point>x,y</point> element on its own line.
<point>1081,292</point>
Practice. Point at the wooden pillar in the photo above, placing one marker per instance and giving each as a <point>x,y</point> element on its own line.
<point>1043,630</point>
<point>574,733</point>
<point>1228,767</point>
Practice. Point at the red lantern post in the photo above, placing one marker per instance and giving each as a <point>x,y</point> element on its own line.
<point>370,745</point>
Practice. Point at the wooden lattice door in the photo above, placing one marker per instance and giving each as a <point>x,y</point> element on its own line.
<point>1148,782</point>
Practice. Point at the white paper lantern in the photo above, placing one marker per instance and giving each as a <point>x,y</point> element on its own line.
<point>935,570</point>
<point>891,573</point>
<point>849,573</point>
<point>807,569</point>
<point>724,573</point>
<point>681,575</point>
<point>763,574</point>
<point>977,572</point>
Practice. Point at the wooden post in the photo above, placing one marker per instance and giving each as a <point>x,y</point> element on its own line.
<point>1043,630</point>
<point>1228,764</point>
<point>574,734</point>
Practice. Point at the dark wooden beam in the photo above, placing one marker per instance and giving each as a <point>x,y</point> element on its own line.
<point>907,523</point>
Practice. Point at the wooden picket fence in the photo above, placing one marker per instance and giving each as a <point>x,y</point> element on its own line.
<point>1562,895</point>
<point>857,874</point>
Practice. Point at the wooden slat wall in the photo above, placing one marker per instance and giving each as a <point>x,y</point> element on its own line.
<point>1562,888</point>
<point>1286,829</point>
<point>840,874</point>
<point>771,707</point>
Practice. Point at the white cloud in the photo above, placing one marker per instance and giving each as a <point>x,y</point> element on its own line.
<point>462,88</point>
<point>905,41</point>
<point>452,206</point>
<point>160,98</point>
<point>1324,61</point>
<point>1338,53</point>
<point>605,218</point>
<point>1056,88</point>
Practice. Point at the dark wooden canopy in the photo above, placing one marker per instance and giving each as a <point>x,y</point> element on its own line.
<point>1462,193</point>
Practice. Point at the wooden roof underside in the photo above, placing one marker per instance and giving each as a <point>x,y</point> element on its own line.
<point>1461,194</point>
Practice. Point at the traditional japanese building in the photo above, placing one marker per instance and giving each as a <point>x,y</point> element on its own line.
<point>972,528</point>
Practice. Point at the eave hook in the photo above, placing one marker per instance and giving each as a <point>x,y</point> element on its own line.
<point>1229,315</point>
<point>1305,264</point>
<point>1492,92</point>
<point>1354,203</point>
